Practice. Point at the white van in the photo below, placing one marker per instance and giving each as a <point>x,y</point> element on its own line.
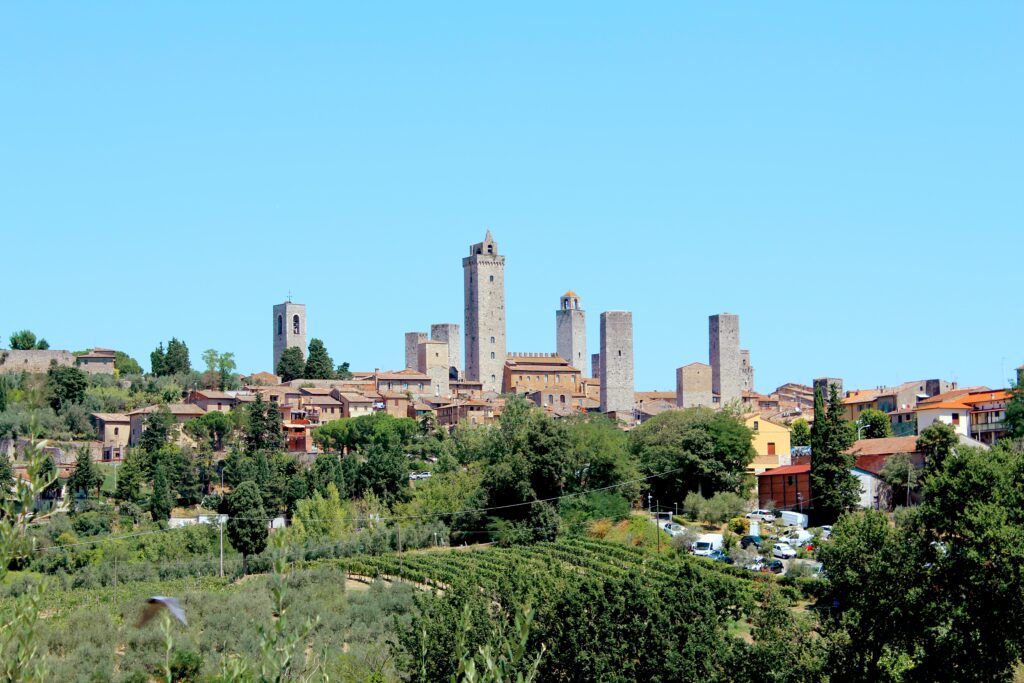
<point>793,519</point>
<point>706,544</point>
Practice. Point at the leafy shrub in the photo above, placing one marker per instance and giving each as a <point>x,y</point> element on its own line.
<point>91,524</point>
<point>739,525</point>
<point>599,528</point>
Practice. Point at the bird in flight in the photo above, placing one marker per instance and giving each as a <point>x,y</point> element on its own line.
<point>157,603</point>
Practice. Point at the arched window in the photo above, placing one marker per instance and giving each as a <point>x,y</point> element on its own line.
<point>492,279</point>
<point>562,398</point>
<point>493,378</point>
<point>492,341</point>
<point>492,355</point>
<point>295,325</point>
<point>280,325</point>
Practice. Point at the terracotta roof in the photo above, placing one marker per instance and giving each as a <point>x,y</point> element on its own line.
<point>406,374</point>
<point>214,394</point>
<point>986,396</point>
<point>654,396</point>
<point>886,446</point>
<point>99,353</point>
<point>942,405</point>
<point>787,469</point>
<point>175,408</point>
<point>949,395</point>
<point>321,401</point>
<point>315,391</point>
<point>354,398</point>
<point>111,417</point>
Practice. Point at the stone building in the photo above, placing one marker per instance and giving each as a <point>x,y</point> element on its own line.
<point>693,386</point>
<point>746,370</point>
<point>484,278</point>
<point>571,331</point>
<point>725,357</point>
<point>617,362</point>
<point>451,335</point>
<point>412,345</point>
<point>595,365</point>
<point>97,361</point>
<point>433,361</point>
<point>289,329</point>
<point>557,382</point>
<point>824,384</point>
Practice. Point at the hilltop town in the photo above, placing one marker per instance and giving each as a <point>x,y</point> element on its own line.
<point>498,484</point>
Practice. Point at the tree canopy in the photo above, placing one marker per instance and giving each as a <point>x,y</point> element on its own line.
<point>25,340</point>
<point>319,364</point>
<point>292,365</point>
<point>248,526</point>
<point>874,424</point>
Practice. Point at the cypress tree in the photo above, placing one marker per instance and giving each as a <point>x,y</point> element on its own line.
<point>247,523</point>
<point>160,501</point>
<point>292,365</point>
<point>319,364</point>
<point>834,488</point>
<point>177,362</point>
<point>86,475</point>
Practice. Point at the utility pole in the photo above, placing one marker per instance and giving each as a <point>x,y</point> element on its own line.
<point>910,469</point>
<point>220,524</point>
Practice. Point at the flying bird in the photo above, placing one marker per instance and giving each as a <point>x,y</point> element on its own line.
<point>157,603</point>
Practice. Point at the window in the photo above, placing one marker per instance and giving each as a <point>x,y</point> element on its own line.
<point>771,448</point>
<point>492,355</point>
<point>492,278</point>
<point>295,324</point>
<point>280,325</point>
<point>790,480</point>
<point>562,398</point>
<point>755,425</point>
<point>956,418</point>
<point>492,340</point>
<point>551,399</point>
<point>492,378</point>
<point>116,430</point>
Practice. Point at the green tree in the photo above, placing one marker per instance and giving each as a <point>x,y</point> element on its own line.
<point>157,430</point>
<point>160,502</point>
<point>263,432</point>
<point>158,361</point>
<point>600,457</point>
<point>225,369</point>
<point>176,362</point>
<point>800,433</point>
<point>6,473</point>
<point>699,449</point>
<point>210,357</point>
<point>834,488</point>
<point>343,372</point>
<point>247,523</point>
<point>874,424</point>
<point>902,476</point>
<point>937,442</point>
<point>42,344</point>
<point>292,364</point>
<point>66,384</point>
<point>23,340</point>
<point>129,475</point>
<point>211,429</point>
<point>126,365</point>
<point>319,364</point>
<point>86,475</point>
<point>319,518</point>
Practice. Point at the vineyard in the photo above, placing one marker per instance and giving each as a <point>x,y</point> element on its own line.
<point>488,567</point>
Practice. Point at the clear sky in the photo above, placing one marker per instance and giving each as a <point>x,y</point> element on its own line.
<point>848,177</point>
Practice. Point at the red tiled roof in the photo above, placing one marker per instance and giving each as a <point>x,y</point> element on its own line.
<point>787,469</point>
<point>986,396</point>
<point>886,446</point>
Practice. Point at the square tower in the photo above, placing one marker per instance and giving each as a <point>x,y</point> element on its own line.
<point>617,362</point>
<point>693,386</point>
<point>450,334</point>
<point>412,343</point>
<point>432,360</point>
<point>289,329</point>
<point>571,331</point>
<point>484,275</point>
<point>724,352</point>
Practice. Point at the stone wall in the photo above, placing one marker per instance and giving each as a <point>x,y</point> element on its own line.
<point>617,362</point>
<point>432,361</point>
<point>451,334</point>
<point>33,361</point>
<point>693,386</point>
<point>412,345</point>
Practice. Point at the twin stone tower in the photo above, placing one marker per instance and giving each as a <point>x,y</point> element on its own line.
<point>723,380</point>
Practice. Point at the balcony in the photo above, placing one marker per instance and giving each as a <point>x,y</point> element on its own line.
<point>985,427</point>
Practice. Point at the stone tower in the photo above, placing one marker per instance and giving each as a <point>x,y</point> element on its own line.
<point>571,331</point>
<point>289,329</point>
<point>595,365</point>
<point>412,343</point>
<point>724,352</point>
<point>747,370</point>
<point>450,334</point>
<point>617,363</point>
<point>693,386</point>
<point>484,275</point>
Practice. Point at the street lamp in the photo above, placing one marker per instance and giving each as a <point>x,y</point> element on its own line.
<point>649,503</point>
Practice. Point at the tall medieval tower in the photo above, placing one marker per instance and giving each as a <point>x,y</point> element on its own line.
<point>289,329</point>
<point>725,356</point>
<point>484,275</point>
<point>571,331</point>
<point>617,363</point>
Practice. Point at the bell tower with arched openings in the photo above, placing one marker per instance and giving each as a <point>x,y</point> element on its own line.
<point>484,277</point>
<point>571,331</point>
<point>289,329</point>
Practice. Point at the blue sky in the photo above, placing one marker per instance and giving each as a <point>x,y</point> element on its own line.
<point>845,176</point>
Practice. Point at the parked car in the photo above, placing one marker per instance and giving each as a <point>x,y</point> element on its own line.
<point>783,550</point>
<point>791,518</point>
<point>773,566</point>
<point>826,531</point>
<point>748,541</point>
<point>762,515</point>
<point>719,556</point>
<point>673,529</point>
<point>706,543</point>
<point>797,537</point>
